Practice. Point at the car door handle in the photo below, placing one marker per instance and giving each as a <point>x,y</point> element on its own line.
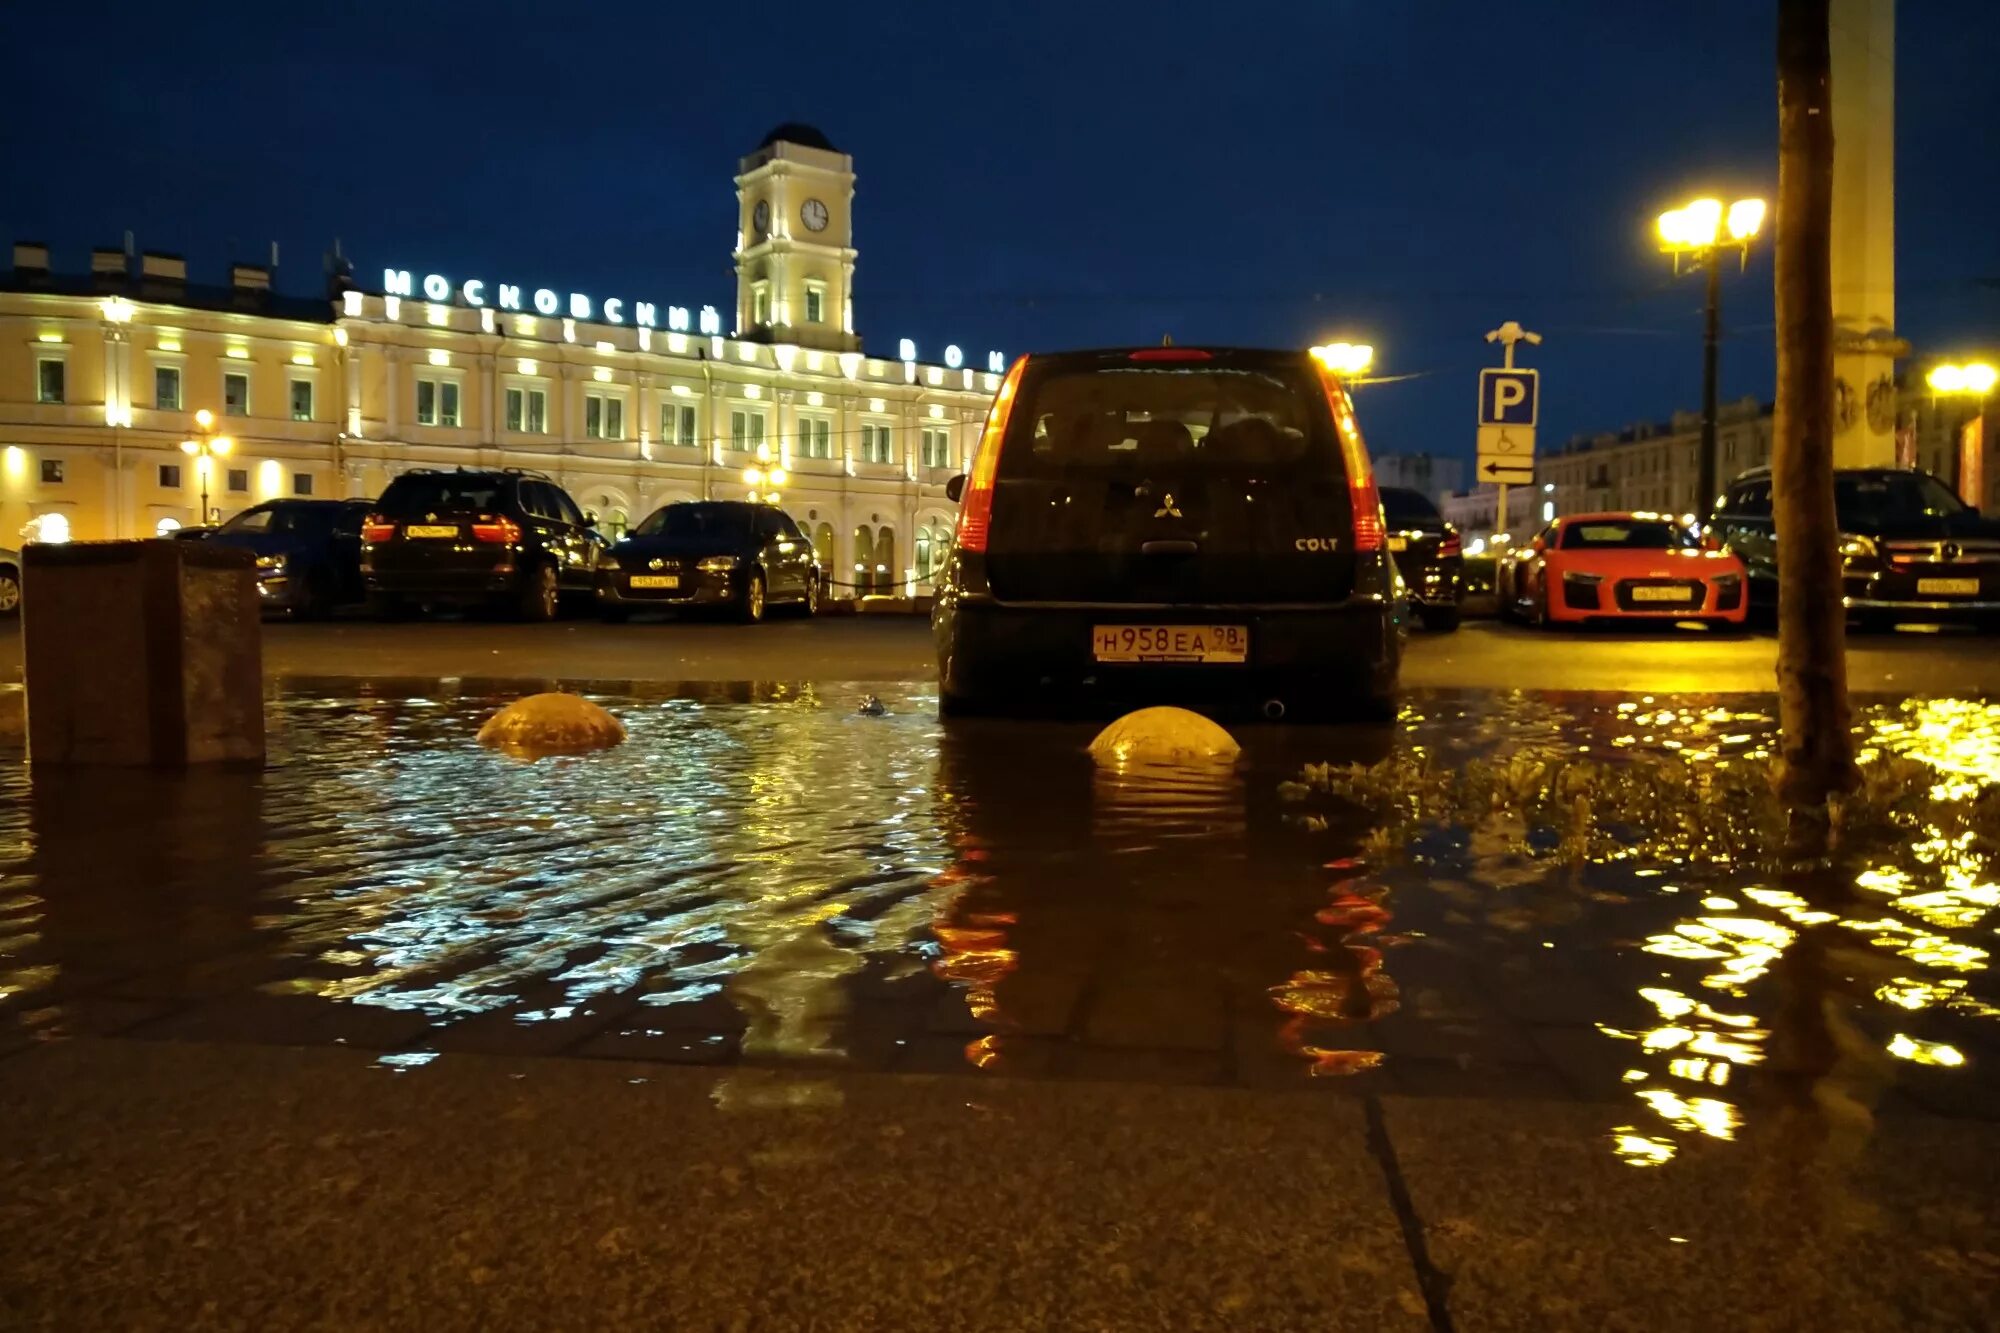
<point>1169,548</point>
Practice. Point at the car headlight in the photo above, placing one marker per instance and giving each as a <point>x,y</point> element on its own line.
<point>1729,580</point>
<point>1857,548</point>
<point>1588,580</point>
<point>271,563</point>
<point>719,564</point>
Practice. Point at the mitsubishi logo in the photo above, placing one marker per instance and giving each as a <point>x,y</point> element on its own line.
<point>1168,509</point>
<point>656,563</point>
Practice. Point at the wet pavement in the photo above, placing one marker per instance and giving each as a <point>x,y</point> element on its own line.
<point>1515,992</point>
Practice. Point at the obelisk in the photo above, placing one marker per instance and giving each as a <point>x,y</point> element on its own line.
<point>1863,39</point>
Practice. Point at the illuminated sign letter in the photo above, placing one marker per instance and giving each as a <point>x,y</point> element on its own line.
<point>906,350</point>
<point>711,320</point>
<point>396,281</point>
<point>678,318</point>
<point>953,357</point>
<point>579,306</point>
<point>996,363</point>
<point>437,287</point>
<point>644,315</point>
<point>510,296</point>
<point>474,292</point>
<point>614,310</point>
<point>352,299</point>
<point>546,301</point>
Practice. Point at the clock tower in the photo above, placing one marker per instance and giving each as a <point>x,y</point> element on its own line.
<point>795,242</point>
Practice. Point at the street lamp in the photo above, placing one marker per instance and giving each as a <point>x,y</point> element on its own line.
<point>1701,231</point>
<point>765,479</point>
<point>206,445</point>
<point>1347,360</point>
<point>1973,380</point>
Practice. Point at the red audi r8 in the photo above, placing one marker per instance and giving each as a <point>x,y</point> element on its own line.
<point>1620,566</point>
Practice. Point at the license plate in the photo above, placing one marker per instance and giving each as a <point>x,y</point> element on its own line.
<point>1948,587</point>
<point>1663,594</point>
<point>1399,543</point>
<point>656,580</point>
<point>432,530</point>
<point>1171,643</point>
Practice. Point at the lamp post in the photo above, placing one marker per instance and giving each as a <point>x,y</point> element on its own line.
<point>1973,380</point>
<point>1701,231</point>
<point>204,447</point>
<point>765,479</point>
<point>1350,361</point>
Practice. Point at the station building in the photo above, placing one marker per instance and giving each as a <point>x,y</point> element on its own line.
<point>627,400</point>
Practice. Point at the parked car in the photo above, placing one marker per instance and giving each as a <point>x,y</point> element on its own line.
<point>1912,549</point>
<point>10,583</point>
<point>1620,566</point>
<point>508,537</point>
<point>1428,553</point>
<point>308,551</point>
<point>715,554</point>
<point>1183,524</point>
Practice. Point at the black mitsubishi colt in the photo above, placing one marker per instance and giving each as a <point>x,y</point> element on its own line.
<point>1185,525</point>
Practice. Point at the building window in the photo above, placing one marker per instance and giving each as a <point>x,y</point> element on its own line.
<point>877,444</point>
<point>167,388</point>
<point>437,402</point>
<point>170,476</point>
<point>239,480</point>
<point>52,472</point>
<point>933,541</point>
<point>604,416</point>
<point>760,305</point>
<point>235,393</point>
<point>302,400</point>
<point>677,424</point>
<point>49,373</point>
<point>815,303</point>
<point>746,429</point>
<point>815,437</point>
<point>937,446</point>
<point>528,410</point>
<point>302,483</point>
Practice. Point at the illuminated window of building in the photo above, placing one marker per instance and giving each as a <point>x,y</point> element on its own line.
<point>302,483</point>
<point>528,410</point>
<point>604,416</point>
<point>50,379</point>
<point>302,400</point>
<point>52,472</point>
<point>815,303</point>
<point>746,429</point>
<point>166,527</point>
<point>677,424</point>
<point>760,305</point>
<point>239,480</point>
<point>877,443</point>
<point>937,446</point>
<point>167,388</point>
<point>170,476</point>
<point>437,402</point>
<point>815,437</point>
<point>235,393</point>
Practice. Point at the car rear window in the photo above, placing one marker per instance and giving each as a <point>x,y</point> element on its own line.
<point>1406,506</point>
<point>1181,420</point>
<point>413,494</point>
<point>696,522</point>
<point>1875,500</point>
<point>1617,535</point>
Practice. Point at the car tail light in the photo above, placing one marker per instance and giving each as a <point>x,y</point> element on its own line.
<point>1451,545</point>
<point>1362,497</point>
<point>1171,354</point>
<point>975,513</point>
<point>375,528</point>
<point>503,529</point>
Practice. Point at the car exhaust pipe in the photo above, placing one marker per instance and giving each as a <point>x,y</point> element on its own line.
<point>1274,710</point>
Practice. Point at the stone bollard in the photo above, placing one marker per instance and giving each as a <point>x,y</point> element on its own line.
<point>1162,736</point>
<point>142,653</point>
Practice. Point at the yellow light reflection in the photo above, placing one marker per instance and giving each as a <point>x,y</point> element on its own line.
<point>1925,1052</point>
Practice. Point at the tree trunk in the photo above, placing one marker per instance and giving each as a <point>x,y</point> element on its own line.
<point>1814,723</point>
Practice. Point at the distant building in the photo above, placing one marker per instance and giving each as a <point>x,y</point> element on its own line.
<point>1435,477</point>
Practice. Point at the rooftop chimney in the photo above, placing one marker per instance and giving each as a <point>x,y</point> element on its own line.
<point>107,269</point>
<point>162,274</point>
<point>249,286</point>
<point>31,259</point>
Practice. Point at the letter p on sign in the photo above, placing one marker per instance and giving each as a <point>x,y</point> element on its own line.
<point>1508,397</point>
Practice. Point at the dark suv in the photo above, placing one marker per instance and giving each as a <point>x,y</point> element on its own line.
<point>1428,553</point>
<point>509,537</point>
<point>308,552</point>
<point>1180,523</point>
<point>1912,550</point>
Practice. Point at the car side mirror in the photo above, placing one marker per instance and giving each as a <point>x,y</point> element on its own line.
<point>590,521</point>
<point>954,490</point>
<point>1538,545</point>
<point>1711,541</point>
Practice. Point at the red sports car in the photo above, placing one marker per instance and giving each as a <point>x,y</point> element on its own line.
<point>1620,567</point>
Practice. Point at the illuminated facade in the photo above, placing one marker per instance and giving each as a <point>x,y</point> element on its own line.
<point>628,403</point>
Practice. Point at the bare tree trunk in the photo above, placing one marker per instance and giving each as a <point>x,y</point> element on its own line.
<point>1814,722</point>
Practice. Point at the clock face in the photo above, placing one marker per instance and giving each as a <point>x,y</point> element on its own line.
<point>813,214</point>
<point>760,217</point>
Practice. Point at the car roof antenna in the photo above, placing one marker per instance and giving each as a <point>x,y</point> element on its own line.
<point>1166,340</point>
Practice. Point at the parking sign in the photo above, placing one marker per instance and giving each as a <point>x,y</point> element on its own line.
<point>1508,397</point>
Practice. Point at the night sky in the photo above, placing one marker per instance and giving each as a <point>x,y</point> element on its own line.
<point>1030,176</point>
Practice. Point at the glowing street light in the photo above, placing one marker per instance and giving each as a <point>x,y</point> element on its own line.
<point>1976,379</point>
<point>765,479</point>
<point>1701,231</point>
<point>205,446</point>
<point>1973,380</point>
<point>1349,360</point>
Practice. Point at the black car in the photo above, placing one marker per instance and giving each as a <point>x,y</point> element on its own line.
<point>1176,523</point>
<point>506,537</point>
<point>1428,553</point>
<point>718,554</point>
<point>308,551</point>
<point>1912,550</point>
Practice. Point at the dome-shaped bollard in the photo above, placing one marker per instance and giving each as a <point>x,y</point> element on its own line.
<point>551,724</point>
<point>1162,735</point>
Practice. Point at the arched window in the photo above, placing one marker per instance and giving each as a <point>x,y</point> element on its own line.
<point>933,544</point>
<point>823,548</point>
<point>52,527</point>
<point>166,527</point>
<point>888,576</point>
<point>864,559</point>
